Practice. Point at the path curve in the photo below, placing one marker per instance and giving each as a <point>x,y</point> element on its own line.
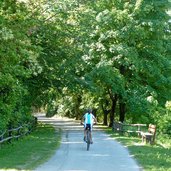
<point>106,154</point>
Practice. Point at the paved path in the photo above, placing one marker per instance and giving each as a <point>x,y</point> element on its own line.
<point>105,154</point>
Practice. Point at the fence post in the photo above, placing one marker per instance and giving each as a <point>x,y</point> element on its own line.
<point>1,135</point>
<point>35,121</point>
<point>10,132</point>
<point>18,132</point>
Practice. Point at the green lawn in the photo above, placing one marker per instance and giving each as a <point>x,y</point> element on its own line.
<point>151,157</point>
<point>30,151</point>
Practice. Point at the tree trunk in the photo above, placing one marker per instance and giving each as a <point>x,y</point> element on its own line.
<point>104,106</point>
<point>95,113</point>
<point>122,105</point>
<point>122,111</point>
<point>105,118</point>
<point>77,105</point>
<point>112,113</point>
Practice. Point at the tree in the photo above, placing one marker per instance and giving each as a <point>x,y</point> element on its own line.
<point>17,63</point>
<point>130,37</point>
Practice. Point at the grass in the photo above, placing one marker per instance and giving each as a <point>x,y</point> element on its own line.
<point>30,151</point>
<point>151,157</point>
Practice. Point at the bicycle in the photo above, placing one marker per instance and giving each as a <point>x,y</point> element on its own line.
<point>88,138</point>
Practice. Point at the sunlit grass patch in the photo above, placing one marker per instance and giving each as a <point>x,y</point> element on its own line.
<point>30,151</point>
<point>150,157</point>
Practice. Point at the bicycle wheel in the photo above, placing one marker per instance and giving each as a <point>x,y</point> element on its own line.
<point>88,140</point>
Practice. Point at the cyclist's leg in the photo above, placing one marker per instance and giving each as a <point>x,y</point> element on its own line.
<point>91,139</point>
<point>85,132</point>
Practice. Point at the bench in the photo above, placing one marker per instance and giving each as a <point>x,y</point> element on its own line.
<point>150,135</point>
<point>128,128</point>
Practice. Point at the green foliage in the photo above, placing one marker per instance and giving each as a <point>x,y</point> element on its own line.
<point>17,63</point>
<point>68,55</point>
<point>130,37</point>
<point>51,109</point>
<point>162,118</point>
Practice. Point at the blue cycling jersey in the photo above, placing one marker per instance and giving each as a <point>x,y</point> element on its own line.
<point>88,118</point>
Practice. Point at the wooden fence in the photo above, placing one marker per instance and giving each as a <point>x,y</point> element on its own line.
<point>128,128</point>
<point>15,133</point>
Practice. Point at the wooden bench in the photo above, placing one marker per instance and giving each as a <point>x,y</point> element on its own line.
<point>150,135</point>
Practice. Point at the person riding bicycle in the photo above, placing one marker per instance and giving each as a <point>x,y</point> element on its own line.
<point>89,120</point>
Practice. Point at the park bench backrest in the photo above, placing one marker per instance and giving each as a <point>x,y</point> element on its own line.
<point>152,129</point>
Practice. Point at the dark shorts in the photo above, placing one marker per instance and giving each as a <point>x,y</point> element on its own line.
<point>88,126</point>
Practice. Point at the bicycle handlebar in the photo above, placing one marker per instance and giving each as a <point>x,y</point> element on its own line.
<point>83,123</point>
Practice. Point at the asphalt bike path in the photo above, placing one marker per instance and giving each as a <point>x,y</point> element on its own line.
<point>105,154</point>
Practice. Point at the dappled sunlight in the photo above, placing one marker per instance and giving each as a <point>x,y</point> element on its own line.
<point>152,157</point>
<point>101,155</point>
<point>108,138</point>
<point>76,170</point>
<point>11,169</point>
<point>139,144</point>
<point>65,123</point>
<point>73,142</point>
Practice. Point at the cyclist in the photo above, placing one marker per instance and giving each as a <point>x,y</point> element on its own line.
<point>88,119</point>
